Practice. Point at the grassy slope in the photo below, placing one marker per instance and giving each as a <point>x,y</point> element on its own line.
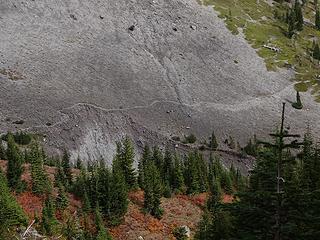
<point>256,20</point>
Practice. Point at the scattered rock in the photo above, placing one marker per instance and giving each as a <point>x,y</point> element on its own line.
<point>73,17</point>
<point>19,122</point>
<point>131,28</point>
<point>187,231</point>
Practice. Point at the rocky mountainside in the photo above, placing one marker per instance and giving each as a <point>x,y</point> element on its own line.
<point>85,73</point>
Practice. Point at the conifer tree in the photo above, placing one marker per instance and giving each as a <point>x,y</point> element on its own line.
<point>86,206</point>
<point>66,166</point>
<point>146,158</point>
<point>40,181</point>
<point>79,164</point>
<point>178,180</point>
<point>291,24</point>
<point>102,232</point>
<point>11,214</point>
<point>118,195</point>
<point>157,157</point>
<point>62,200</point>
<point>2,151</point>
<point>316,52</point>
<point>167,168</point>
<point>49,221</point>
<point>317,19</point>
<point>152,190</point>
<point>125,154</point>
<point>213,144</point>
<point>15,168</point>
<point>299,15</point>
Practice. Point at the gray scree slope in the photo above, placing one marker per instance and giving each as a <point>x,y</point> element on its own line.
<point>76,66</point>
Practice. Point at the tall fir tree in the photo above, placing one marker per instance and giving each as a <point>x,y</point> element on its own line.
<point>118,195</point>
<point>66,166</point>
<point>298,15</point>
<point>49,222</point>
<point>125,154</point>
<point>152,191</point>
<point>2,151</point>
<point>15,168</point>
<point>146,158</point>
<point>317,19</point>
<point>40,181</point>
<point>213,144</point>
<point>11,214</point>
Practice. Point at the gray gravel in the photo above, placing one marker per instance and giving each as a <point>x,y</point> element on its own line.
<point>82,71</point>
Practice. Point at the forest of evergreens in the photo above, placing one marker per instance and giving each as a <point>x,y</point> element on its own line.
<point>280,199</point>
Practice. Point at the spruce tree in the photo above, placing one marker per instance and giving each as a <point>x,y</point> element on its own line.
<point>157,157</point>
<point>178,180</point>
<point>2,151</point>
<point>118,195</point>
<point>66,166</point>
<point>146,158</point>
<point>152,191</point>
<point>102,232</point>
<point>49,221</point>
<point>62,200</point>
<point>317,19</point>
<point>298,15</point>
<point>291,24</point>
<point>40,181</point>
<point>11,214</point>
<point>213,144</point>
<point>316,52</point>
<point>125,154</point>
<point>167,173</point>
<point>79,164</point>
<point>15,169</point>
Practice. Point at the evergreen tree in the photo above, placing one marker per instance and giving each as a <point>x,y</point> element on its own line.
<point>11,214</point>
<point>86,206</point>
<point>178,180</point>
<point>125,154</point>
<point>62,200</point>
<point>15,168</point>
<point>118,196</point>
<point>317,19</point>
<point>146,158</point>
<point>102,232</point>
<point>213,144</point>
<point>152,191</point>
<point>157,157</point>
<point>316,52</point>
<point>167,173</point>
<point>49,221</point>
<point>79,164</point>
<point>298,15</point>
<point>66,166</point>
<point>40,181</point>
<point>291,24</point>
<point>2,151</point>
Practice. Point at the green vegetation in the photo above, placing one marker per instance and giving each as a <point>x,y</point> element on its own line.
<point>279,27</point>
<point>281,200</point>
<point>11,214</point>
<point>20,138</point>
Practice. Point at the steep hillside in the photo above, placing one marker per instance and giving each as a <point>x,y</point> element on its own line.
<point>85,73</point>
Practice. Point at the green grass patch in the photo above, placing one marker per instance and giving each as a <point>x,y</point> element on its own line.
<point>260,27</point>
